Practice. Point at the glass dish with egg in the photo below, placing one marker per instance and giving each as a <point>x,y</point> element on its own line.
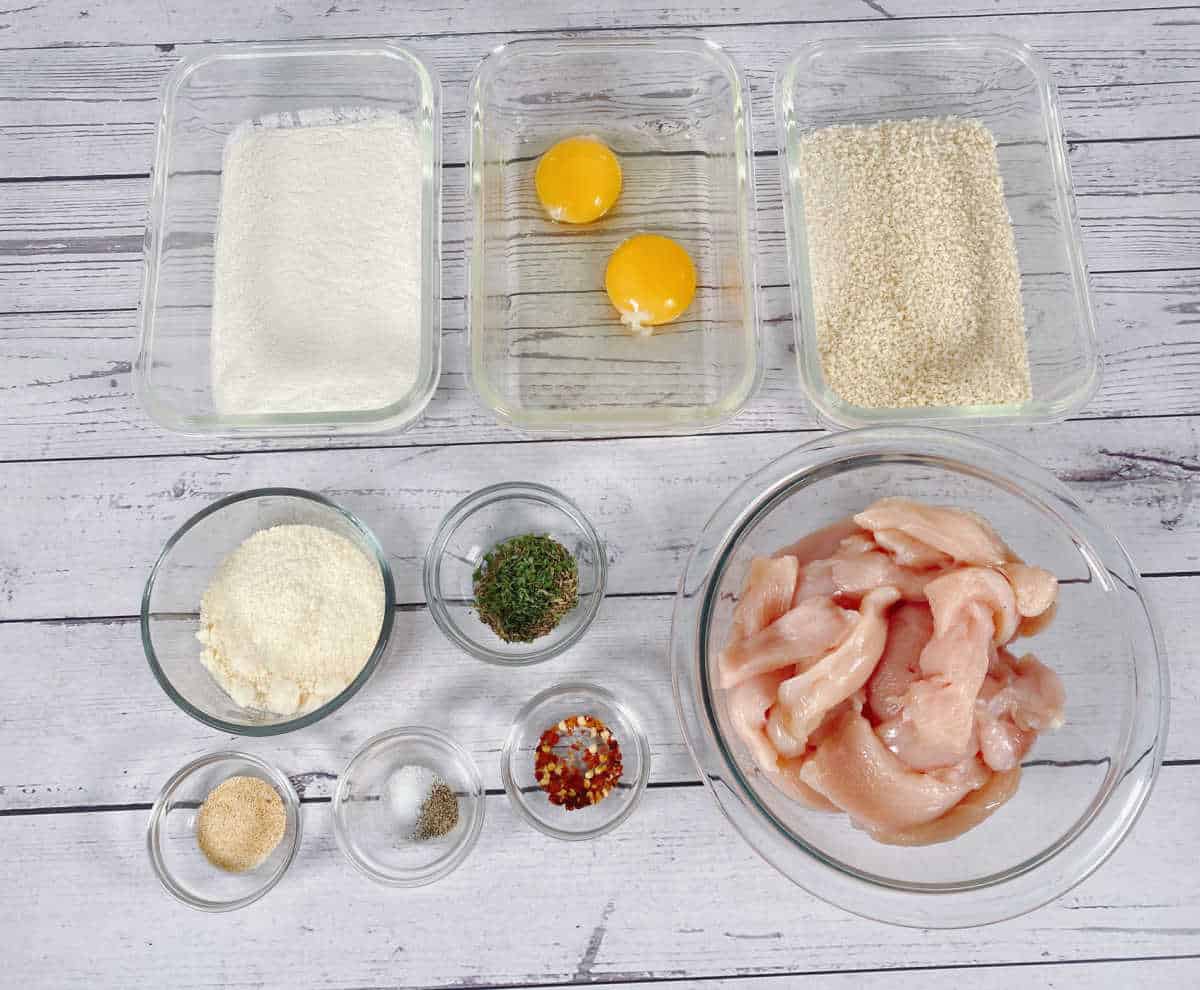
<point>611,279</point>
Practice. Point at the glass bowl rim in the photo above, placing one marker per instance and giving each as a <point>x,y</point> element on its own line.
<point>333,704</point>
<point>821,875</point>
<point>292,805</point>
<point>450,861</point>
<point>462,511</point>
<point>510,743</point>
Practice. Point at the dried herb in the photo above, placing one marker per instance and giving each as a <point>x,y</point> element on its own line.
<point>525,586</point>
<point>578,762</point>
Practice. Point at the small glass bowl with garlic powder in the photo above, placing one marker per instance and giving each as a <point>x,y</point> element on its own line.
<point>223,831</point>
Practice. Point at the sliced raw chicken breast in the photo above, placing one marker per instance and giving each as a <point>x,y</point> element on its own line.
<point>747,705</point>
<point>822,544</point>
<point>815,581</point>
<point>910,627</point>
<point>1019,699</point>
<point>854,770</point>
<point>805,699</point>
<point>908,551</point>
<point>964,816</point>
<point>935,727</point>
<point>1035,588</point>
<point>958,534</point>
<point>856,574</point>
<point>951,593</point>
<point>809,630</point>
<point>766,596</point>
<point>786,776</point>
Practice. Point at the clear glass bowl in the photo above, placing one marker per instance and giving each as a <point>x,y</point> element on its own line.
<point>548,351</point>
<point>175,854</point>
<point>1003,84</point>
<point>205,99</point>
<point>171,602</point>
<point>365,820</point>
<point>477,524</point>
<point>546,710</point>
<point>1083,786</point>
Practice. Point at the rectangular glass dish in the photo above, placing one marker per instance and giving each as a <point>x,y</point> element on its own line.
<point>548,351</point>
<point>1001,83</point>
<point>220,93</point>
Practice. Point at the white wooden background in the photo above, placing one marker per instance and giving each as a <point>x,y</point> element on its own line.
<point>90,489</point>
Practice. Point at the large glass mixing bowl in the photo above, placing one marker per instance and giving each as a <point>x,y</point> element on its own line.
<point>1083,786</point>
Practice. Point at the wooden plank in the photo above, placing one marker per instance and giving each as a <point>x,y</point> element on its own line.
<point>93,111</point>
<point>78,244</point>
<point>115,699</point>
<point>68,389</point>
<point>80,536</point>
<point>1149,974</point>
<point>673,892</point>
<point>105,22</point>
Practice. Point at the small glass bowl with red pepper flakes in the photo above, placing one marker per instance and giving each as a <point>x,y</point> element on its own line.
<point>575,761</point>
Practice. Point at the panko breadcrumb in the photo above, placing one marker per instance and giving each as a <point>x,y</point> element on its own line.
<point>916,288</point>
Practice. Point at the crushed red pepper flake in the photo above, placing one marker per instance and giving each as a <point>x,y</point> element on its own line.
<point>578,762</point>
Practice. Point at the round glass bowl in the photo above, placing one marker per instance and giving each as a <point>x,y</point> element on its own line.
<point>475,526</point>
<point>547,710</point>
<point>368,825</point>
<point>1082,786</point>
<point>171,602</point>
<point>175,853</point>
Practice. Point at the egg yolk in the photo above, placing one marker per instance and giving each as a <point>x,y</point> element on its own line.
<point>578,180</point>
<point>651,280</point>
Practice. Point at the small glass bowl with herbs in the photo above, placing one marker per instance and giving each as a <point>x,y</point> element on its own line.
<point>515,574</point>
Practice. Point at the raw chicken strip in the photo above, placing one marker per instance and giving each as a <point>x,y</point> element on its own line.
<point>766,596</point>
<point>786,776</point>
<point>910,628</point>
<point>959,534</point>
<point>855,771</point>
<point>1019,699</point>
<point>857,573</point>
<point>805,699</point>
<point>1035,588</point>
<point>822,544</point>
<point>815,581</point>
<point>935,727</point>
<point>908,551</point>
<point>806,631</point>
<point>747,705</point>
<point>949,594</point>
<point>964,816</point>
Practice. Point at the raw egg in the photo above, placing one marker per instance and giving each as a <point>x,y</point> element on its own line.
<point>651,280</point>
<point>578,180</point>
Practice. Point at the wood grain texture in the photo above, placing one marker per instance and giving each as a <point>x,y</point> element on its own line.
<point>1157,974</point>
<point>1123,74</point>
<point>67,387</point>
<point>75,755</point>
<point>108,22</point>
<point>673,892</point>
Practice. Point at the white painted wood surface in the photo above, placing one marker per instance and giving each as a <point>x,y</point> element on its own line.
<point>90,489</point>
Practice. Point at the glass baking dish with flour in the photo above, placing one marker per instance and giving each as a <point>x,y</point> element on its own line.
<point>548,350</point>
<point>211,102</point>
<point>1002,84</point>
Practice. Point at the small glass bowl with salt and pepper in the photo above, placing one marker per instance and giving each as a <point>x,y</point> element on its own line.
<point>575,762</point>
<point>408,807</point>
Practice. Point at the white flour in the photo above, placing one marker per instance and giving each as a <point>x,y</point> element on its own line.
<point>317,284</point>
<point>290,618</point>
